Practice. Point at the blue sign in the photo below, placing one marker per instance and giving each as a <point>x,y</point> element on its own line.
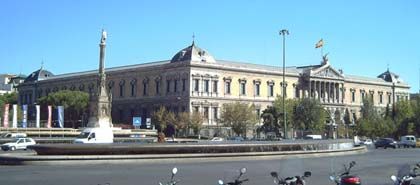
<point>136,121</point>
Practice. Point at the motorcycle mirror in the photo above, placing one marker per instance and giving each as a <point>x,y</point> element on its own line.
<point>307,174</point>
<point>220,182</point>
<point>174,171</point>
<point>332,178</point>
<point>352,163</point>
<point>274,174</point>
<point>160,183</point>
<point>394,178</point>
<point>243,170</point>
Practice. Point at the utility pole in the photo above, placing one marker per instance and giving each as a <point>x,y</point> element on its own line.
<point>284,32</point>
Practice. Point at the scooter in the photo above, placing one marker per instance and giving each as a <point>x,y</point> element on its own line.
<point>404,177</point>
<point>296,180</point>
<point>237,180</point>
<point>172,181</point>
<point>345,178</point>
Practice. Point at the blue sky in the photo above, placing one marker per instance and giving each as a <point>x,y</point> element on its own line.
<point>361,37</point>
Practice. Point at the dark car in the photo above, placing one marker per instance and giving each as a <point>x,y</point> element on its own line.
<point>386,142</point>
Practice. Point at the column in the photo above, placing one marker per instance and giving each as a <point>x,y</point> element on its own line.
<point>319,90</point>
<point>310,88</point>
<point>335,92</point>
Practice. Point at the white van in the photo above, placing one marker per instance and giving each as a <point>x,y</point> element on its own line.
<point>95,135</point>
<point>13,135</point>
<point>407,141</point>
<point>313,137</point>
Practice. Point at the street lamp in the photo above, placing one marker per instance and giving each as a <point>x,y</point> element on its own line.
<point>284,32</point>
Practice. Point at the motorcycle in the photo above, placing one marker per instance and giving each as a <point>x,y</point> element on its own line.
<point>296,180</point>
<point>172,181</point>
<point>237,180</point>
<point>345,178</point>
<point>405,176</point>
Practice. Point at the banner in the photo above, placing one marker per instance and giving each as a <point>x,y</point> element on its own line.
<point>49,116</point>
<point>37,116</point>
<point>25,116</point>
<point>6,116</point>
<point>14,116</point>
<point>60,116</point>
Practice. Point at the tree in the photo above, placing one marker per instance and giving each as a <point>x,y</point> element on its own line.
<point>403,113</point>
<point>161,118</point>
<point>75,103</point>
<point>196,122</point>
<point>310,115</point>
<point>238,116</point>
<point>373,124</point>
<point>274,123</point>
<point>8,98</point>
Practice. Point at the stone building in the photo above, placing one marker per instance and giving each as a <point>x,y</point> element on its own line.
<point>193,80</point>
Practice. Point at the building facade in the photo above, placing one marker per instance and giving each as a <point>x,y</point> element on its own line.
<point>194,81</point>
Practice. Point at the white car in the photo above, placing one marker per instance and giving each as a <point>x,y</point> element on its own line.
<point>18,143</point>
<point>368,142</point>
<point>217,139</point>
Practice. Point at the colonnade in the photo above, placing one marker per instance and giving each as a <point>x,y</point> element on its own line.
<point>327,91</point>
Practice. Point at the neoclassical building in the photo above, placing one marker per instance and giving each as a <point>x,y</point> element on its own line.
<point>193,80</point>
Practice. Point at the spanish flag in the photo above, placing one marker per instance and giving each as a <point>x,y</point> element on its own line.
<point>319,44</point>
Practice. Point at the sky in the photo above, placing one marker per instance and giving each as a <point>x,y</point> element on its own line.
<point>362,38</point>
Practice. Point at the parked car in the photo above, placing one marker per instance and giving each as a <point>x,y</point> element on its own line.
<point>385,143</point>
<point>237,138</point>
<point>12,135</point>
<point>368,142</point>
<point>217,139</point>
<point>313,137</point>
<point>407,141</point>
<point>18,143</point>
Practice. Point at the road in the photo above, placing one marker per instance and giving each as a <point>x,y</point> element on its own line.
<point>374,167</point>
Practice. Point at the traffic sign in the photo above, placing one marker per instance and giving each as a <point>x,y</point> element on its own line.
<point>136,121</point>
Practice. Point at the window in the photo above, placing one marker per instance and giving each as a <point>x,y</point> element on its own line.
<point>133,88</point>
<point>353,96</point>
<point>168,86</point>
<point>206,86</point>
<point>297,94</point>
<point>196,109</point>
<point>271,90</point>
<point>184,82</point>
<point>144,89</point>
<point>206,113</point>
<point>121,90</point>
<point>227,87</point>
<point>157,87</point>
<point>175,85</point>
<point>215,86</point>
<point>389,99</point>
<point>214,117</point>
<point>196,85</point>
<point>363,96</point>
<point>257,89</point>
<point>258,112</point>
<point>380,99</point>
<point>242,88</point>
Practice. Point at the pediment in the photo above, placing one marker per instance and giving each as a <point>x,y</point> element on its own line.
<point>326,71</point>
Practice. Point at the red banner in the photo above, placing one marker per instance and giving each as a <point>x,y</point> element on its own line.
<point>6,116</point>
<point>49,116</point>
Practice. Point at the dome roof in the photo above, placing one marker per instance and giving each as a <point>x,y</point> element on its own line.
<point>194,54</point>
<point>37,75</point>
<point>390,77</point>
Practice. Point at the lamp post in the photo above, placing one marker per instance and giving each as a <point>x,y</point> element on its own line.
<point>284,32</point>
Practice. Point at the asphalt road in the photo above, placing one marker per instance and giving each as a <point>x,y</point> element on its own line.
<point>374,167</point>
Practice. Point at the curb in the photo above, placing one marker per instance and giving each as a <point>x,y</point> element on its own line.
<point>37,159</point>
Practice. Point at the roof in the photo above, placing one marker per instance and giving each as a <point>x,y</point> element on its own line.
<point>193,53</point>
<point>37,75</point>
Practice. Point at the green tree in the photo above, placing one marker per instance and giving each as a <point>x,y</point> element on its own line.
<point>74,103</point>
<point>161,118</point>
<point>238,116</point>
<point>403,113</point>
<point>372,123</point>
<point>274,121</point>
<point>415,103</point>
<point>8,98</point>
<point>196,122</point>
<point>310,115</point>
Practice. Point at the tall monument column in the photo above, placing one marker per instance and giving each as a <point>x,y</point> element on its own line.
<point>100,104</point>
